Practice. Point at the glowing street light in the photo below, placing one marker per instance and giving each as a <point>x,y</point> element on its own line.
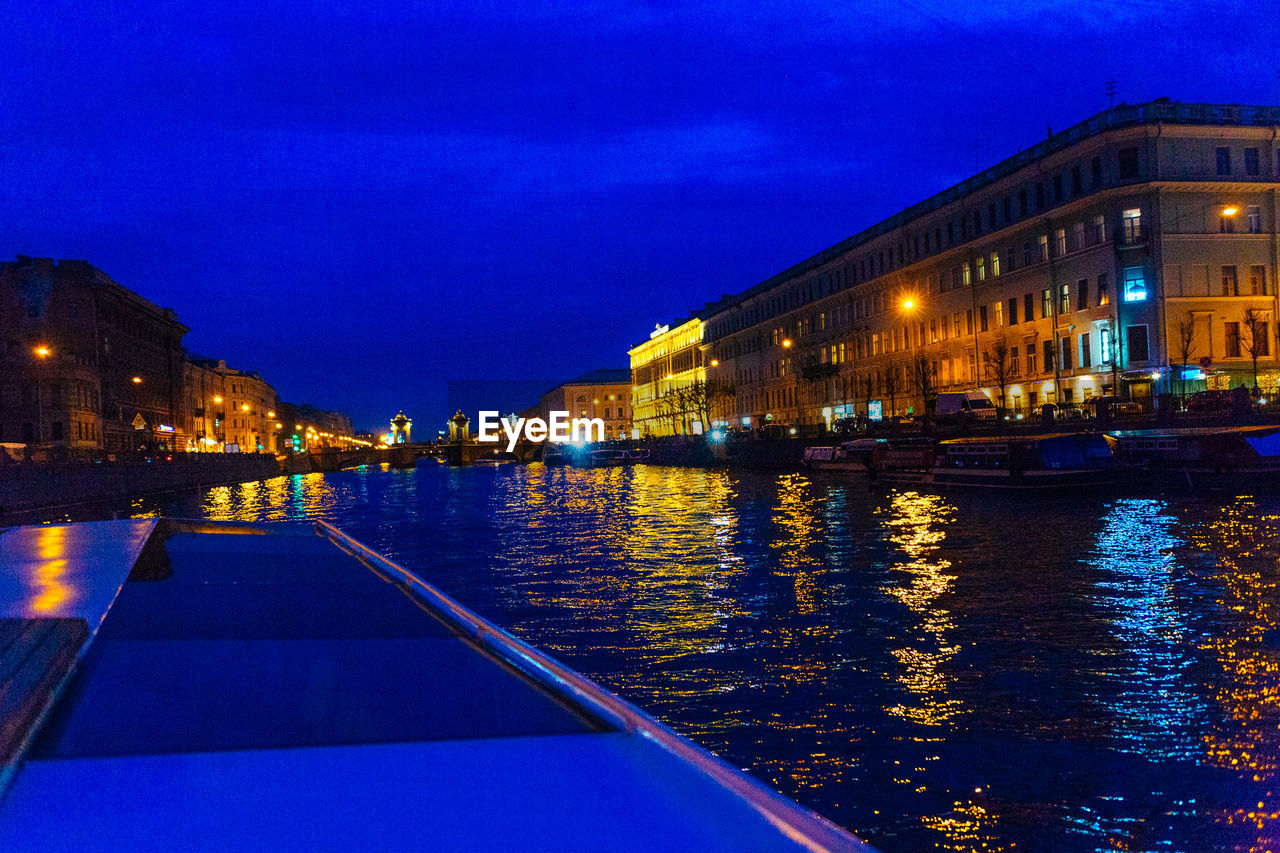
<point>786,342</point>
<point>42,351</point>
<point>715,362</point>
<point>137,380</point>
<point>1230,210</point>
<point>908,304</point>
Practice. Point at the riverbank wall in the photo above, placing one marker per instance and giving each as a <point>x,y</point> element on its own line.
<point>26,486</point>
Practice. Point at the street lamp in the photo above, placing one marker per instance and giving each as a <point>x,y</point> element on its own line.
<point>786,342</point>
<point>42,352</point>
<point>137,380</point>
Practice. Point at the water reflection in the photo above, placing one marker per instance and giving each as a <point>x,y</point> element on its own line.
<point>917,525</point>
<point>948,673</point>
<point>1245,643</point>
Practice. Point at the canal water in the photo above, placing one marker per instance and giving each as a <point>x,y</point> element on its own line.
<point>934,672</point>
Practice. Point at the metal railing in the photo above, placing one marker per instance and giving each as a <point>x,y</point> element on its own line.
<point>800,825</point>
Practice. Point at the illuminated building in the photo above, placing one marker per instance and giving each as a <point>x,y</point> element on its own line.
<point>603,394</point>
<point>230,409</point>
<point>1098,261</point>
<point>87,363</point>
<point>665,370</point>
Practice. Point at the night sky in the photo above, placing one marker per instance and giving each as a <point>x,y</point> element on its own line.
<point>365,201</point>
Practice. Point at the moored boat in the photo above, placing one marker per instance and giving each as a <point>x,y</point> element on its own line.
<point>1202,458</point>
<point>199,685</point>
<point>1047,462</point>
<point>857,455</point>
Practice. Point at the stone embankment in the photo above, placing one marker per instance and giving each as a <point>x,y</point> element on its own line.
<point>26,486</point>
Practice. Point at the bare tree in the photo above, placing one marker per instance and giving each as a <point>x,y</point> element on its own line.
<point>924,381</point>
<point>892,387</point>
<point>1000,366</point>
<point>670,406</point>
<point>1186,337</point>
<point>702,397</point>
<point>1255,342</point>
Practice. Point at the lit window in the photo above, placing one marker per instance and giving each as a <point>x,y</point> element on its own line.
<point>1135,285</point>
<point>1132,225</point>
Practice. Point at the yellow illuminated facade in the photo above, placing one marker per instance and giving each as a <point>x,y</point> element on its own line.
<point>663,369</point>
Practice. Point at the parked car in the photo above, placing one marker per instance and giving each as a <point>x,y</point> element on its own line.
<point>1209,401</point>
<point>964,405</point>
<point>1117,406</point>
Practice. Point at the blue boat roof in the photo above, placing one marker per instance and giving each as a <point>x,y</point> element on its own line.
<point>270,689</point>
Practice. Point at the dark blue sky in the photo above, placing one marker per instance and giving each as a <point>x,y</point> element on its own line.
<point>367,200</point>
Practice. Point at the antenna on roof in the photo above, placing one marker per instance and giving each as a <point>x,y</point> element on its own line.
<point>1111,92</point>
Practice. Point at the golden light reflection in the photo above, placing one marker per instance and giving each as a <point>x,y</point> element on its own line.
<point>49,580</point>
<point>1244,643</point>
<point>967,827</point>
<point>917,525</point>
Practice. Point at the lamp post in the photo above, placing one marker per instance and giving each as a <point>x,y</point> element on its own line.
<point>42,353</point>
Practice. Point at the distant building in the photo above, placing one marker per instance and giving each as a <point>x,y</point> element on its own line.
<point>85,362</point>
<point>308,428</point>
<point>1132,254</point>
<point>603,394</point>
<point>664,371</point>
<point>228,408</point>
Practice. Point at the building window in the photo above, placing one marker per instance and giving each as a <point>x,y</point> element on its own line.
<point>1135,286</point>
<point>1137,343</point>
<point>1104,344</point>
<point>1007,208</point>
<point>1086,359</point>
<point>1251,162</point>
<point>933,331</point>
<point>968,322</point>
<point>982,317</point>
<point>1096,166</point>
<point>1013,311</point>
<point>1029,307</point>
<point>965,276</point>
<point>1082,294</point>
<point>991,216</point>
<point>1222,157</point>
<point>982,269</point>
<point>1064,299</point>
<point>1046,303</point>
<point>1077,234</point>
<point>1232,339</point>
<point>1044,247</point>
<point>1128,158</point>
<point>1031,362</point>
<point>1057,189</point>
<point>995,263</point>
<point>1258,280</point>
<point>998,311</point>
<point>1104,295</point>
<point>1227,224</point>
<point>1099,229</point>
<point>1077,181</point>
<point>1131,221</point>
<point>1066,353</point>
<point>1261,343</point>
<point>1230,284</point>
<point>1022,203</point>
<point>1040,195</point>
<point>1047,346</point>
<point>1255,219</point>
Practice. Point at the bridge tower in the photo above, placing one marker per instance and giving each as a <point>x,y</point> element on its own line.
<point>400,426</point>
